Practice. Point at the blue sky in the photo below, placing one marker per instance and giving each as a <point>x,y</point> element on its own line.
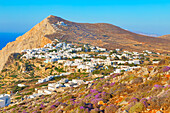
<point>148,16</point>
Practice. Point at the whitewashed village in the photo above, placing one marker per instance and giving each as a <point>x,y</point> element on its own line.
<point>76,59</point>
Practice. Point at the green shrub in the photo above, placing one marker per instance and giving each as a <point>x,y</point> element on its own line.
<point>29,93</point>
<point>43,85</point>
<point>38,68</point>
<point>4,70</point>
<point>69,107</point>
<point>16,88</point>
<point>18,67</point>
<point>29,66</point>
<point>14,76</point>
<point>18,97</point>
<point>59,69</point>
<point>139,107</point>
<point>96,72</point>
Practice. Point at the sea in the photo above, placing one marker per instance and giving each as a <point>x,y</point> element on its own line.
<point>8,37</point>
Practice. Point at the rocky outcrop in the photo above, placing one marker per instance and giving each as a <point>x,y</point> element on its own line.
<point>12,58</point>
<point>34,38</point>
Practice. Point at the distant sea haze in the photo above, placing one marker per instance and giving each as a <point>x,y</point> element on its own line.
<point>8,37</point>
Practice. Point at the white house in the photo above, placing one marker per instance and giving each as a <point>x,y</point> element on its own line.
<point>5,100</point>
<point>2,103</point>
<point>155,62</point>
<point>21,85</point>
<point>136,61</point>
<point>61,23</point>
<point>47,91</point>
<point>117,71</point>
<point>34,95</point>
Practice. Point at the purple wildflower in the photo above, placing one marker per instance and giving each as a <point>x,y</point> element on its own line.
<point>72,99</point>
<point>81,107</point>
<point>168,86</point>
<point>53,106</point>
<point>134,99</point>
<point>98,95</point>
<point>113,76</point>
<point>50,111</point>
<point>24,112</point>
<point>90,106</point>
<point>34,112</point>
<point>112,84</point>
<point>74,102</point>
<point>117,74</point>
<point>93,91</point>
<point>101,78</point>
<point>103,93</point>
<point>57,103</point>
<point>96,100</point>
<point>87,110</point>
<point>157,86</point>
<point>150,98</point>
<point>165,68</point>
<point>89,95</point>
<point>150,66</point>
<point>42,106</point>
<point>104,85</point>
<point>144,101</point>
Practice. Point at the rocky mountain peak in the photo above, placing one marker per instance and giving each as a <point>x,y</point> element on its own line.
<point>100,34</point>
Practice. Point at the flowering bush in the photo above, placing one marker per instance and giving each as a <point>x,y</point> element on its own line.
<point>112,84</point>
<point>134,100</point>
<point>53,106</point>
<point>138,107</point>
<point>98,95</point>
<point>144,101</point>
<point>95,102</point>
<point>41,106</point>
<point>111,109</point>
<point>165,68</point>
<point>93,91</point>
<point>158,86</point>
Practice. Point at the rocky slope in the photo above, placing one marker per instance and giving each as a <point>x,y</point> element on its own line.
<point>99,34</point>
<point>165,37</point>
<point>32,39</point>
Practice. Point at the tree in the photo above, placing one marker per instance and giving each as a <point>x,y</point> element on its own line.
<point>114,51</point>
<point>79,70</point>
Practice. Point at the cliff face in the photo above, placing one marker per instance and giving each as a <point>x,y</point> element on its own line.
<point>34,38</point>
<point>99,34</point>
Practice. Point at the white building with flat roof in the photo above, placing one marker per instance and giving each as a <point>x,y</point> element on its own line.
<point>5,100</point>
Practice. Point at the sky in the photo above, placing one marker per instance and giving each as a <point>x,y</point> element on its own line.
<point>145,16</point>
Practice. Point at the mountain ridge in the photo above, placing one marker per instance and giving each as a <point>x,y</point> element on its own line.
<point>165,37</point>
<point>97,34</point>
